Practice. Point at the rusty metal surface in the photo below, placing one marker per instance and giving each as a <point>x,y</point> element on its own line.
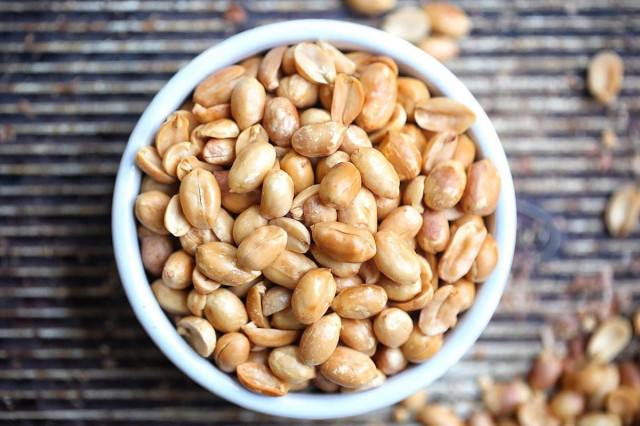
<point>74,78</point>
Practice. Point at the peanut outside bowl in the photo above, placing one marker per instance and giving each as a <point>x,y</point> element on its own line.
<point>412,61</point>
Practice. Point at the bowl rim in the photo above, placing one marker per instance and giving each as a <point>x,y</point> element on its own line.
<point>412,61</point>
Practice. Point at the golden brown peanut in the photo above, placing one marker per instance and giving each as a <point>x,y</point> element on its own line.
<point>377,381</point>
<point>280,120</point>
<point>200,198</point>
<point>443,48</point>
<point>150,184</point>
<point>384,206</point>
<point>466,292</point>
<point>400,292</point>
<point>622,211</point>
<point>443,115</point>
<point>324,385</point>
<point>247,222</point>
<point>342,242</point>
<point>285,364</point>
<point>461,251</point>
<point>314,115</point>
<point>313,63</point>
<point>395,124</point>
<point>286,320</point>
<point>338,268</point>
<point>410,23</point>
<point>199,334</point>
<point>354,138</point>
<point>216,89</point>
<point>300,170</point>
<point>190,163</point>
<point>313,295</point>
<point>250,168</point>
<point>405,221</point>
<point>184,112</point>
<point>392,327</point>
<point>170,300</point>
<point>219,129</point>
<point>318,140</point>
<point>349,368</point>
<point>297,208</point>
<point>213,113</point>
<point>277,194</point>
<point>325,94</point>
<point>219,262</point>
<point>288,65</point>
<point>288,269</point>
<point>482,188</point>
<point>262,247</point>
<point>413,194</point>
<point>377,173</point>
<point>567,405</point>
<point>441,147</point>
<point>360,302</point>
<point>247,102</point>
<point>326,163</point>
<point>225,311</point>
<point>259,379</point>
<point>223,226</point>
<point>362,212</point>
<point>150,208</point>
<point>243,290</point>
<point>605,73</point>
<point>438,415</point>
<point>192,239</point>
<point>415,402</point>
<point>320,339</point>
<point>358,334</point>
<point>441,313</point>
<point>380,91</point>
<point>298,236</point>
<point>623,402</point>
<point>419,301</point>
<point>402,154</point>
<point>202,283</point>
<point>340,185</point>
<point>485,262</point>
<point>465,151</point>
<point>341,62</point>
<point>315,211</point>
<point>250,135</point>
<point>390,361</point>
<point>270,337</point>
<point>232,349</point>
<point>177,270</point>
<point>546,370</point>
<point>347,100</point>
<point>395,259</point>
<point>232,201</point>
<point>482,418</point>
<point>275,300</point>
<point>154,249</point>
<point>434,233</point>
<point>445,185</point>
<point>252,65</point>
<point>416,134</point>
<point>174,220</point>
<point>171,132</point>
<point>410,92</point>
<point>599,419</point>
<point>220,152</point>
<point>447,19</point>
<point>150,162</point>
<point>175,153</point>
<point>371,7</point>
<point>346,282</point>
<point>609,339</point>
<point>268,72</point>
<point>420,347</point>
<point>301,92</point>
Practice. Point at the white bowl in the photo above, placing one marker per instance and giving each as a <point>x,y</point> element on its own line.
<point>412,61</point>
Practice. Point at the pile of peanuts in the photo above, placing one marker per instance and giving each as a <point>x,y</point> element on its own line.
<point>582,388</point>
<point>328,215</point>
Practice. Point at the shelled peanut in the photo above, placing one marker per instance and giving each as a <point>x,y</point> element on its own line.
<point>327,219</point>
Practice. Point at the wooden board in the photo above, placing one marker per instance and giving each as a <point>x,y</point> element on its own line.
<point>76,75</point>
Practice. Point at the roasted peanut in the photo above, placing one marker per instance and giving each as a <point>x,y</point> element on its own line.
<point>347,100</point>
<point>485,262</point>
<point>438,415</point>
<point>340,185</point>
<point>150,162</point>
<point>326,163</point>
<point>216,89</point>
<point>410,92</point>
<point>315,211</point>
<point>280,120</point>
<point>262,247</point>
<point>348,368</point>
<point>604,76</point>
<point>344,242</point>
<point>225,311</point>
<point>399,292</point>
<point>443,115</point>
<point>403,155</point>
<point>380,94</point>
<point>219,262</point>
<point>284,362</point>
<point>360,302</point>
<point>354,138</point>
<point>251,167</point>
<point>171,300</point>
<point>622,211</point>
<point>318,140</point>
<point>362,212</point>
<point>377,173</point>
<point>232,349</point>
<point>259,378</point>
<point>445,185</point>
<point>482,188</point>
<point>395,259</point>
<point>177,270</point>
<point>200,198</point>
<point>298,236</point>
<point>420,347</point>
<point>299,91</point>
<point>320,339</point>
<point>288,268</point>
<point>268,71</point>
<point>405,221</point>
<point>199,334</point>
<point>390,361</point>
<point>269,337</point>
<point>276,299</point>
<point>313,295</point>
<point>300,170</point>
<point>150,208</point>
<point>339,269</point>
<point>155,249</point>
<point>371,7</point>
<point>202,283</point>
<point>314,115</point>
<point>392,327</point>
<point>462,249</point>
<point>313,63</point>
<point>233,201</point>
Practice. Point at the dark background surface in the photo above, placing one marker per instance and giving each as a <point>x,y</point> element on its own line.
<point>76,75</point>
